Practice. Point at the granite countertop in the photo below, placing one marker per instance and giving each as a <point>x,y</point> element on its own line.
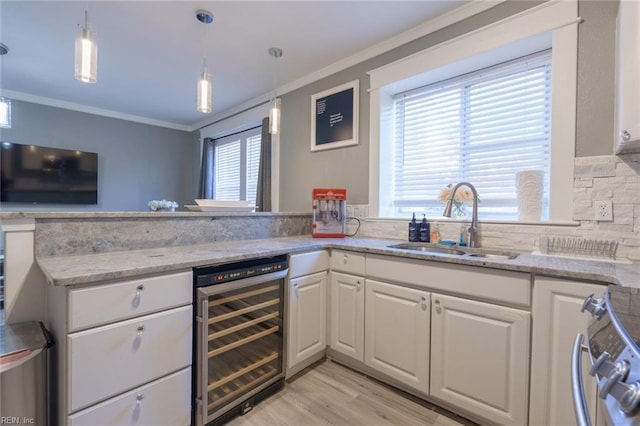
<point>102,214</point>
<point>92,268</point>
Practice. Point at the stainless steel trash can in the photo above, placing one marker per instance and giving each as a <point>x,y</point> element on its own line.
<point>24,373</point>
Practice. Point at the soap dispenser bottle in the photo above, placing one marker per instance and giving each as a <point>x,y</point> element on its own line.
<point>413,229</point>
<point>424,230</point>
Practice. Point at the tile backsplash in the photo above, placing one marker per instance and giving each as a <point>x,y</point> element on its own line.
<point>600,178</point>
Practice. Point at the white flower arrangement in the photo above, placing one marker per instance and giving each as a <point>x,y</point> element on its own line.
<point>164,204</point>
<point>463,195</point>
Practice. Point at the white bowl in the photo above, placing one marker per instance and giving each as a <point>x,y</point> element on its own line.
<point>220,203</point>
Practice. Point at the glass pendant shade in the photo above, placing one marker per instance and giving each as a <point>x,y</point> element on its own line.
<point>5,113</point>
<point>86,63</point>
<point>204,93</point>
<point>274,117</point>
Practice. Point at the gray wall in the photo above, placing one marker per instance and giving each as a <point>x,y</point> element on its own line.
<point>596,77</point>
<point>301,170</point>
<point>136,162</point>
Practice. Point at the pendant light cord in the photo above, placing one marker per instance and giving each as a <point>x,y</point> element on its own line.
<point>86,16</point>
<point>204,48</point>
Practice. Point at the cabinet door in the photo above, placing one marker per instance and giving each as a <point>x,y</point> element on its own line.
<point>628,78</point>
<point>347,315</point>
<point>307,317</point>
<point>479,358</point>
<point>556,309</point>
<point>166,401</point>
<point>397,332</point>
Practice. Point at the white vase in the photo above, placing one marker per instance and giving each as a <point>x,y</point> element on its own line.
<point>529,192</point>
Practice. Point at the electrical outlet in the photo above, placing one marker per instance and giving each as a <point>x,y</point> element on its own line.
<point>603,210</point>
<point>359,211</point>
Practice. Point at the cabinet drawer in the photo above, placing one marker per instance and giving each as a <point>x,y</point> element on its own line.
<point>308,263</point>
<point>107,303</point>
<point>108,360</point>
<point>163,402</point>
<point>347,261</point>
<point>475,281</point>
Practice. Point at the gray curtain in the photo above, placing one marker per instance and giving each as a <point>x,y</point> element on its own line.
<point>206,170</point>
<point>263,191</point>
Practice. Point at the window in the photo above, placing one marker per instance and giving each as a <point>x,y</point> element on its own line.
<point>481,127</point>
<point>548,25</point>
<point>236,161</point>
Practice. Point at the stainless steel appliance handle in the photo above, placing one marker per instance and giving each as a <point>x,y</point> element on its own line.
<point>577,386</point>
<point>204,361</point>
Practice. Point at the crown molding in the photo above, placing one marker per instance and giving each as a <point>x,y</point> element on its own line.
<point>27,97</point>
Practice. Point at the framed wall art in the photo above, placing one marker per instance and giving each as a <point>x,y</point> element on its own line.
<point>334,117</point>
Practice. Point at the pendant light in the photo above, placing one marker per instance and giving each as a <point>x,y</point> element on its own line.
<point>86,63</point>
<point>274,110</point>
<point>5,103</point>
<point>203,90</point>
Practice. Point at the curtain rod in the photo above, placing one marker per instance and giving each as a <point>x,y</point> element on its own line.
<point>233,115</point>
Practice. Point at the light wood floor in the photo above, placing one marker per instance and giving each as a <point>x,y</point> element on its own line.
<point>330,394</point>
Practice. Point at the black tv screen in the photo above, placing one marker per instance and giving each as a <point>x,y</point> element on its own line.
<point>43,175</point>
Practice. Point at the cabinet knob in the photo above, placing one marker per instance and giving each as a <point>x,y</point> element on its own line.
<point>438,307</point>
<point>140,330</point>
<point>345,258</point>
<point>139,398</point>
<point>139,290</point>
<point>424,303</point>
<point>625,135</point>
<point>358,285</point>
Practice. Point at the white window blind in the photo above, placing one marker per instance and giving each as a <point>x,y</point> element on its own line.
<point>481,128</point>
<point>236,162</point>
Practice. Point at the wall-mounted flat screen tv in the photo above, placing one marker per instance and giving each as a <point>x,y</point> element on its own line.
<point>44,175</point>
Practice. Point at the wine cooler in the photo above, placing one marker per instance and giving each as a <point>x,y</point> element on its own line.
<point>239,346</point>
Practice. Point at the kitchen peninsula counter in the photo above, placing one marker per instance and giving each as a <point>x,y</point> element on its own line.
<point>82,269</point>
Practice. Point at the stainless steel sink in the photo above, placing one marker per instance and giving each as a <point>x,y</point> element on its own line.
<point>493,255</point>
<point>428,249</point>
<point>472,252</point>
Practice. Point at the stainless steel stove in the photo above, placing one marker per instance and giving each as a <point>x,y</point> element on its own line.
<point>613,342</point>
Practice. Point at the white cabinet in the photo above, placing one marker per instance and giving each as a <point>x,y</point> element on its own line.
<point>628,78</point>
<point>127,353</point>
<point>156,403</point>
<point>307,317</point>
<point>556,309</point>
<point>479,358</point>
<point>124,351</point>
<point>306,309</point>
<point>347,315</point>
<point>397,326</point>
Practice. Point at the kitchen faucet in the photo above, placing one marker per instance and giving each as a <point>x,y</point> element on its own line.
<point>473,229</point>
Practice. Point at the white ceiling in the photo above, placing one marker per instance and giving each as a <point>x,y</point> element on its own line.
<point>150,52</point>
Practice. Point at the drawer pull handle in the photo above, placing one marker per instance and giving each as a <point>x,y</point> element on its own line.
<point>139,290</point>
<point>140,330</point>
<point>139,398</point>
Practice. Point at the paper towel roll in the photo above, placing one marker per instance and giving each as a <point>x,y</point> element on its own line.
<point>529,191</point>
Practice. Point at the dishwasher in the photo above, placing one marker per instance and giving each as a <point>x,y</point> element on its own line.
<point>239,337</point>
